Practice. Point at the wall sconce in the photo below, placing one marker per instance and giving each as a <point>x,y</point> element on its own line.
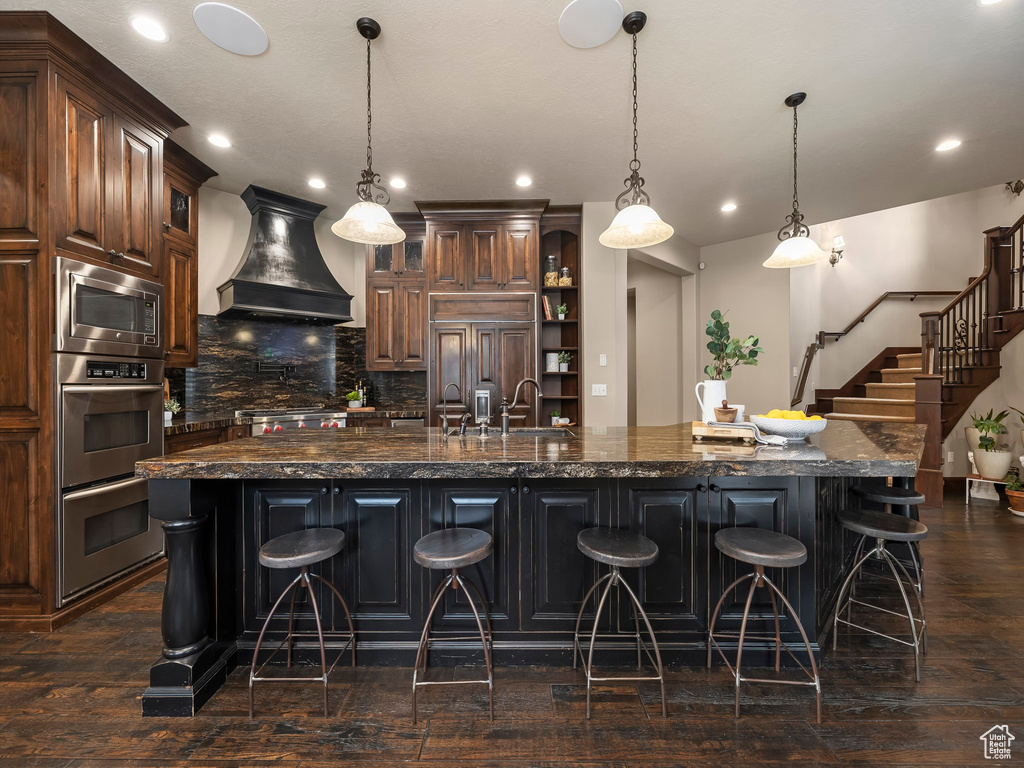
<point>1016,186</point>
<point>838,245</point>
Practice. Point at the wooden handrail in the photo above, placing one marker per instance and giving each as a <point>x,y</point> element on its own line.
<point>819,342</point>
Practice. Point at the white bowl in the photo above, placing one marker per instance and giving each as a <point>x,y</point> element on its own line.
<point>789,428</point>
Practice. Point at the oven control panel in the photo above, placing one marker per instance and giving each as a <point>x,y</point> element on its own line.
<point>109,370</point>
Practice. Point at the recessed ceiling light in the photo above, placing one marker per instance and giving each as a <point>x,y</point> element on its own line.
<point>983,3</point>
<point>524,181</point>
<point>231,29</point>
<point>590,23</point>
<point>948,145</point>
<point>317,183</point>
<point>398,183</point>
<point>728,207</point>
<point>151,29</point>
<point>219,140</point>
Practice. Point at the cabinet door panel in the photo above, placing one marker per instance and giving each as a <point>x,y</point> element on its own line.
<point>84,222</point>
<point>517,359</point>
<point>23,482</point>
<point>554,574</point>
<point>19,161</point>
<point>445,257</point>
<point>376,571</point>
<point>414,252</point>
<point>412,338</point>
<point>22,355</point>
<point>449,362</point>
<point>485,506</point>
<point>181,291</point>
<point>181,212</point>
<point>381,327</point>
<point>673,590</point>
<point>485,256</point>
<point>766,503</point>
<point>520,257</point>
<point>139,192</point>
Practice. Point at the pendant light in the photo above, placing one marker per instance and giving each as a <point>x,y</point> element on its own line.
<point>796,249</point>
<point>636,225</point>
<point>368,221</point>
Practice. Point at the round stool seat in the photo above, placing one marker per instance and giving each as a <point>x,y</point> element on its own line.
<point>294,550</point>
<point>616,547</point>
<point>760,547</point>
<point>887,495</point>
<point>452,548</point>
<point>882,525</point>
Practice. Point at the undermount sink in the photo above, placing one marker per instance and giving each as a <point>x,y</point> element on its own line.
<point>541,432</point>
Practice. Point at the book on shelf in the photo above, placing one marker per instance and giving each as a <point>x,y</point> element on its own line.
<point>547,307</point>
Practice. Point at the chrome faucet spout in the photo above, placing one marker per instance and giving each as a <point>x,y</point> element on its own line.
<point>506,408</point>
<point>444,408</point>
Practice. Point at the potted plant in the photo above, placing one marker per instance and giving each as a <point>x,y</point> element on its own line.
<point>562,310</point>
<point>355,400</point>
<point>992,457</point>
<point>1020,413</point>
<point>1015,495</point>
<point>171,408</point>
<point>727,353</point>
<point>554,417</point>
<point>564,358</point>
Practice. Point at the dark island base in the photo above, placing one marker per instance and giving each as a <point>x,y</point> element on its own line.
<point>217,596</point>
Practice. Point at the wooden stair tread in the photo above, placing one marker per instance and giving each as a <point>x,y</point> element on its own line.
<point>870,417</point>
<point>901,370</point>
<point>876,400</point>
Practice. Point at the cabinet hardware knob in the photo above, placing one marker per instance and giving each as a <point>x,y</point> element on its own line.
<point>337,490</point>
<point>111,252</point>
<point>513,490</point>
<point>120,255</point>
<point>526,489</point>
<point>323,490</point>
<point>165,225</point>
<point>701,487</point>
<point>460,282</point>
<point>715,488</point>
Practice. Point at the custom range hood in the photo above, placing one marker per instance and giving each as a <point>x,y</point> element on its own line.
<point>283,273</point>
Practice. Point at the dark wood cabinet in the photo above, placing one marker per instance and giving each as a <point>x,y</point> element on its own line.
<point>203,437</point>
<point>484,259</point>
<point>401,260</point>
<point>520,262</point>
<point>446,267</point>
<point>182,177</point>
<point>450,350</point>
<point>396,325</point>
<point>138,200</point>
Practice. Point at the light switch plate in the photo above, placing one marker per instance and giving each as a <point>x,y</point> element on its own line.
<point>796,371</point>
<point>602,361</point>
<point>949,457</point>
<point>599,390</point>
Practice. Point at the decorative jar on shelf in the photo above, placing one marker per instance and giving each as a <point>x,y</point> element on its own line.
<point>550,272</point>
<point>551,362</point>
<point>565,277</point>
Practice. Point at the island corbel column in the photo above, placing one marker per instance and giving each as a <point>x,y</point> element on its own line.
<point>192,664</point>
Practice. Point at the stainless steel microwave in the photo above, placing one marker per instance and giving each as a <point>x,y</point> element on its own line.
<point>104,312</point>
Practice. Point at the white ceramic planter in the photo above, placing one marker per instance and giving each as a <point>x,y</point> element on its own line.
<point>563,367</point>
<point>355,403</point>
<point>167,417</point>
<point>561,317</point>
<point>972,436</point>
<point>713,395</point>
<point>993,465</point>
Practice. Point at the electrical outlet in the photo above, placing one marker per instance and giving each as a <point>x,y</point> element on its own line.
<point>796,371</point>
<point>599,390</point>
<point>949,457</point>
<point>602,360</point>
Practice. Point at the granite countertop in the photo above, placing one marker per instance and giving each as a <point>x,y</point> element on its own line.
<point>196,422</point>
<point>387,413</point>
<point>861,449</point>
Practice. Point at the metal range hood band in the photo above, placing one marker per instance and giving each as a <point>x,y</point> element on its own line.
<point>283,273</point>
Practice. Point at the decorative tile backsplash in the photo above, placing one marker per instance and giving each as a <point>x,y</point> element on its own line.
<point>328,361</point>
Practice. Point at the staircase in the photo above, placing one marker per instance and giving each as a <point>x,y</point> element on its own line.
<point>890,398</point>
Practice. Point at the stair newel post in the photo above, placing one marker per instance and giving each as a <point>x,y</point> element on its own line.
<point>929,342</point>
<point>999,257</point>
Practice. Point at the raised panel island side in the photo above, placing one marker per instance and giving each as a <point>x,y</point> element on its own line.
<point>533,493</point>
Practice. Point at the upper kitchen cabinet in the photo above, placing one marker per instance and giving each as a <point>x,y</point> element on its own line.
<point>520,265</point>
<point>446,268</point>
<point>183,175</point>
<point>109,192</point>
<point>404,260</point>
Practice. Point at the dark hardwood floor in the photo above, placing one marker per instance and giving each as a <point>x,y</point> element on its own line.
<point>71,698</point>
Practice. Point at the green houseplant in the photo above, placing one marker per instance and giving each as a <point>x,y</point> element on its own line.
<point>1015,495</point>
<point>727,353</point>
<point>992,457</point>
<point>355,400</point>
<point>555,414</point>
<point>171,407</point>
<point>564,358</point>
<point>561,310</point>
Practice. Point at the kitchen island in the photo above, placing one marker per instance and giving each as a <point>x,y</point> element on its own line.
<point>533,492</point>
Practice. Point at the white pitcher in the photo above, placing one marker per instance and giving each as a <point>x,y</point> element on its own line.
<point>714,394</point>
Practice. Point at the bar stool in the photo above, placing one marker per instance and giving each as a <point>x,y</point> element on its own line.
<point>619,549</point>
<point>761,549</point>
<point>883,527</point>
<point>451,549</point>
<point>893,496</point>
<point>302,549</point>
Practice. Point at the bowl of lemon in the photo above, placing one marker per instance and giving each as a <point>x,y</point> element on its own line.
<point>793,425</point>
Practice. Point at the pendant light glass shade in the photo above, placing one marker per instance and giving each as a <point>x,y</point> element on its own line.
<point>368,222</point>
<point>795,252</point>
<point>636,226</point>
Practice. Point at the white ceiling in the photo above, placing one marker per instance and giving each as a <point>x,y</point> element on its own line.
<point>470,93</point>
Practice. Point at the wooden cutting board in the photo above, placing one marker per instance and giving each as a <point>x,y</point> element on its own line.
<point>361,410</point>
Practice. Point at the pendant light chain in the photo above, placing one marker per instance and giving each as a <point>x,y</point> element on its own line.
<point>369,111</point>
<point>795,125</point>
<point>635,165</point>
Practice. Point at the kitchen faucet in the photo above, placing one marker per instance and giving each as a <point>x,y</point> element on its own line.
<point>505,407</point>
<point>444,413</point>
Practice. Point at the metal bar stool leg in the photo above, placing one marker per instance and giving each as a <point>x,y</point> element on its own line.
<point>654,642</point>
<point>920,608</point>
<point>291,621</point>
<point>348,615</point>
<point>890,559</point>
<point>759,572</point>
<point>319,633</point>
<point>483,605</point>
<point>423,649</point>
<point>714,616</point>
<point>803,635</point>
<point>612,578</point>
<point>778,633</point>
<point>842,591</point>
<point>579,616</point>
<point>259,641</point>
<point>483,640</point>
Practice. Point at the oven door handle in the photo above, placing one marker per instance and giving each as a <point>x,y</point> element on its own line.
<point>85,389</point>
<point>106,488</point>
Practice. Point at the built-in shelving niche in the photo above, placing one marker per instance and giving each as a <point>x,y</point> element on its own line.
<point>562,390</point>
